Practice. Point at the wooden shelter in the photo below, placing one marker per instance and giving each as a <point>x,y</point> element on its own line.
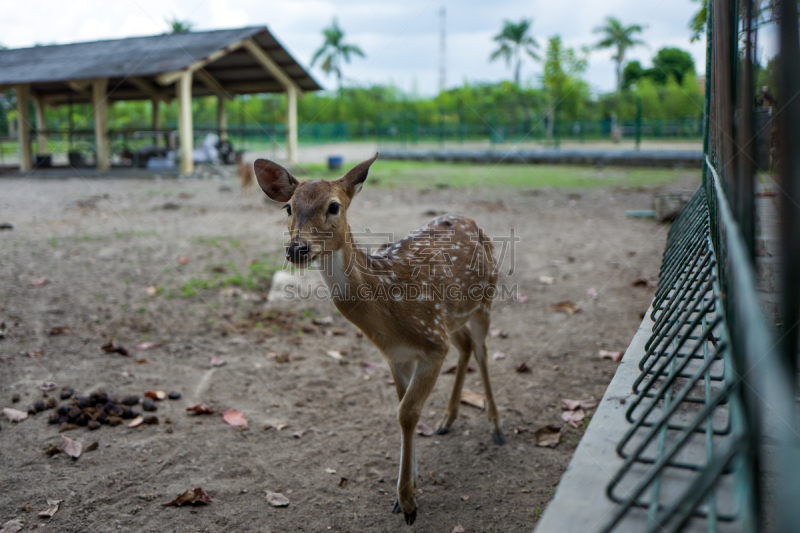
<point>156,68</point>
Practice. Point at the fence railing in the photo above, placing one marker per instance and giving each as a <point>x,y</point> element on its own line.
<point>713,442</point>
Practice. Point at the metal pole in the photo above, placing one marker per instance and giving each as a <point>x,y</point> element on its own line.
<point>789,153</point>
<point>638,122</point>
<point>745,168</point>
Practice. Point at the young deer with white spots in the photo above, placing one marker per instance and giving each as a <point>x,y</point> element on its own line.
<point>411,298</point>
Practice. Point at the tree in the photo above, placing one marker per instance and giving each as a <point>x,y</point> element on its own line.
<point>698,22</point>
<point>515,39</point>
<point>616,35</point>
<point>562,80</point>
<point>671,63</point>
<point>335,51</point>
<point>179,26</point>
<point>632,72</point>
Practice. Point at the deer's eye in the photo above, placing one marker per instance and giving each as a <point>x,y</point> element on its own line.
<point>288,209</point>
<point>333,209</point>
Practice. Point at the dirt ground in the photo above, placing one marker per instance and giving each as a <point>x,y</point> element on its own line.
<point>101,243</point>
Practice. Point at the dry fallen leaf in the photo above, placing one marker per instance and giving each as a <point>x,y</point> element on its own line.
<point>141,361</point>
<point>71,447</point>
<point>591,293</point>
<point>369,367</point>
<point>519,429</point>
<point>183,260</point>
<point>643,282</point>
<point>152,290</point>
<point>148,345</point>
<point>548,436</point>
<point>335,354</point>
<point>234,418</point>
<point>59,330</point>
<point>330,470</point>
<point>276,499</point>
<point>572,405</point>
<point>546,280</point>
<point>573,418</point>
<point>452,369</point>
<point>565,307</point>
<point>497,355</point>
<point>424,429</point>
<point>459,528</point>
<point>342,482</point>
<point>200,408</point>
<point>38,282</point>
<point>522,299</point>
<point>92,447</point>
<point>614,356</point>
<point>193,496</point>
<point>280,425</point>
<point>112,347</point>
<point>52,508</point>
<point>156,395</point>
<point>48,386</point>
<point>13,415</point>
<point>12,526</point>
<point>323,321</point>
<point>497,332</point>
<point>523,368</point>
<point>472,398</point>
<point>216,361</point>
<point>299,434</point>
<point>136,422</point>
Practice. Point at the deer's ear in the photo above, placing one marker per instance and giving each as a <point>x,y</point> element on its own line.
<point>354,179</point>
<point>275,181</point>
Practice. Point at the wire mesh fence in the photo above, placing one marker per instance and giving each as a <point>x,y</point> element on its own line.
<point>713,441</point>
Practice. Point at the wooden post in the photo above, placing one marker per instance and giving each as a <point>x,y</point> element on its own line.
<point>184,87</point>
<point>156,121</point>
<point>291,123</point>
<point>41,126</point>
<point>222,118</point>
<point>100,106</point>
<point>24,123</point>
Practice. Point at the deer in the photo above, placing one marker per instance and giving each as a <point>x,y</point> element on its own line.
<point>247,178</point>
<point>415,323</point>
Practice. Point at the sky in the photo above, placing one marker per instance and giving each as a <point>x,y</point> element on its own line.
<point>401,39</point>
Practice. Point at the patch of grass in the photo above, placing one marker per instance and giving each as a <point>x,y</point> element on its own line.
<point>431,175</point>
<point>53,242</point>
<point>257,277</point>
<point>194,286</point>
<point>141,309</point>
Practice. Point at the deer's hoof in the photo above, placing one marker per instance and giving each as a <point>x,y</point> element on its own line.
<point>396,509</point>
<point>410,517</point>
<point>441,431</point>
<point>498,439</point>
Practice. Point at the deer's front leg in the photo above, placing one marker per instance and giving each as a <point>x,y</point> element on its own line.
<point>408,413</point>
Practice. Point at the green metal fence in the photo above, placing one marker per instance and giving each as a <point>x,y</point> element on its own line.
<point>715,409</point>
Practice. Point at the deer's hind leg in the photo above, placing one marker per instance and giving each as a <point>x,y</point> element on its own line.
<point>462,339</point>
<point>479,325</point>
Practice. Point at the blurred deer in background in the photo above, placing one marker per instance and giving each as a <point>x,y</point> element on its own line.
<point>426,304</point>
<point>247,179</point>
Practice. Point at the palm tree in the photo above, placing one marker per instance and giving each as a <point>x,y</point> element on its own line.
<point>514,39</point>
<point>335,51</point>
<point>621,37</point>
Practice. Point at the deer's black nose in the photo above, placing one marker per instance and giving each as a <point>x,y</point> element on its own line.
<point>297,252</point>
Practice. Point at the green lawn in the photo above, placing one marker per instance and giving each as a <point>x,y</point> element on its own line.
<point>432,175</point>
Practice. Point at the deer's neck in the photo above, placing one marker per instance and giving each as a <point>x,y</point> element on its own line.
<point>343,270</point>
